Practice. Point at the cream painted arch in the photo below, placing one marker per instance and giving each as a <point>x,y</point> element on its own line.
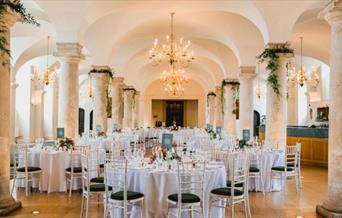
<point>134,68</point>
<point>246,9</point>
<point>153,92</point>
<point>139,35</point>
<point>214,51</point>
<point>151,74</point>
<point>188,26</point>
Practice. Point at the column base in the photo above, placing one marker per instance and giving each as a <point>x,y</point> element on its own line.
<point>8,205</point>
<point>322,211</point>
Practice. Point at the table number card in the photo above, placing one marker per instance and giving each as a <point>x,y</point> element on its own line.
<point>246,136</point>
<point>218,130</point>
<point>60,133</point>
<point>98,128</point>
<point>115,126</point>
<point>167,140</point>
<point>209,127</point>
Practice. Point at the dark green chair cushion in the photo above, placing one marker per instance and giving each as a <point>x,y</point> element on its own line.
<point>291,165</point>
<point>29,169</point>
<point>254,170</point>
<point>229,184</point>
<point>119,196</point>
<point>76,169</point>
<point>186,198</point>
<point>99,179</point>
<point>226,191</point>
<point>97,187</point>
<point>282,168</point>
<point>101,165</point>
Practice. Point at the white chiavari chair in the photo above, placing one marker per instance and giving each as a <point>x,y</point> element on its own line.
<point>74,172</point>
<point>21,168</point>
<point>237,192</point>
<point>117,195</point>
<point>288,169</point>
<point>92,190</point>
<point>190,195</point>
<point>256,170</point>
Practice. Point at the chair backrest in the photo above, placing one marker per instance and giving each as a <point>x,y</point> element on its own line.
<point>115,176</point>
<point>20,156</point>
<point>190,177</point>
<point>291,156</point>
<point>89,160</point>
<point>75,161</point>
<point>238,171</point>
<point>299,150</point>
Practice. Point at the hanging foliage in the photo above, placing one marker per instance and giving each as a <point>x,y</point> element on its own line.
<point>108,103</point>
<point>133,97</point>
<point>235,87</point>
<point>17,7</point>
<point>272,56</point>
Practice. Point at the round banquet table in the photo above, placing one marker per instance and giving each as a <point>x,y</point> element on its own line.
<point>53,165</point>
<point>270,159</point>
<point>157,185</point>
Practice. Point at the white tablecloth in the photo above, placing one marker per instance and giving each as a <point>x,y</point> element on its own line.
<point>157,185</point>
<point>53,165</point>
<point>270,159</point>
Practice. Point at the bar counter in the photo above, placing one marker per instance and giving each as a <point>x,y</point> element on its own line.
<point>314,141</point>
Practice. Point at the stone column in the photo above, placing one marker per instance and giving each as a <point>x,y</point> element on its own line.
<point>100,78</point>
<point>218,108</point>
<point>246,115</point>
<point>137,110</point>
<point>210,119</point>
<point>70,55</point>
<point>332,207</point>
<point>7,203</point>
<point>37,110</point>
<point>14,86</point>
<point>276,107</point>
<point>129,105</point>
<point>117,86</point>
<point>229,103</point>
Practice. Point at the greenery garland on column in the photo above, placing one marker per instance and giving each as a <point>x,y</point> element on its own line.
<point>16,7</point>
<point>272,56</point>
<point>133,97</point>
<point>235,86</point>
<point>108,97</point>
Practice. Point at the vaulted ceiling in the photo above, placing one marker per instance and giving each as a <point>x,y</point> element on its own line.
<point>224,34</point>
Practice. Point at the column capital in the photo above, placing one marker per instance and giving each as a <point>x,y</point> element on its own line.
<point>118,79</point>
<point>9,17</point>
<point>101,70</point>
<point>211,94</point>
<point>129,89</point>
<point>70,51</point>
<point>247,71</point>
<point>332,12</point>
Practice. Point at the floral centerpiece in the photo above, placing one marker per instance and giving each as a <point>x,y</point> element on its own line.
<point>212,134</point>
<point>66,144</point>
<point>165,153</point>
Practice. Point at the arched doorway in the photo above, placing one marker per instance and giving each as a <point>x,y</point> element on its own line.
<point>81,117</point>
<point>256,123</point>
<point>91,120</point>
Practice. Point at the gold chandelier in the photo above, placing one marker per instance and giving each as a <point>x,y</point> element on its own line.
<point>172,51</point>
<point>49,74</point>
<point>173,81</point>
<point>301,77</point>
